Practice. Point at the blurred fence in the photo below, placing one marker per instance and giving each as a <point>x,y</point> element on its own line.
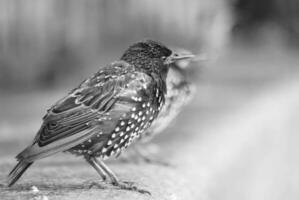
<point>42,42</point>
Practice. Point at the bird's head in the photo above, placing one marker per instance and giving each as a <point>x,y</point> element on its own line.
<point>152,57</point>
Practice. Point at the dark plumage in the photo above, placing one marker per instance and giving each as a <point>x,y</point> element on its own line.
<point>106,112</point>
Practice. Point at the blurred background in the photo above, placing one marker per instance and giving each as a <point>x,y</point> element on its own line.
<point>243,117</point>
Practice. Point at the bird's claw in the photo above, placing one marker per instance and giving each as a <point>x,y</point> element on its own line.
<point>92,184</point>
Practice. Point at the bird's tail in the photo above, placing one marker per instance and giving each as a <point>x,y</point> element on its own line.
<point>17,172</point>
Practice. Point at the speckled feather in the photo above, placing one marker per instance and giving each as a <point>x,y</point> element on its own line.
<point>116,105</point>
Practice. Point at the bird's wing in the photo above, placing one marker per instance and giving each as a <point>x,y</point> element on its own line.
<point>82,113</point>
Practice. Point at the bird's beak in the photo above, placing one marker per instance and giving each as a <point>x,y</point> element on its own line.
<point>176,57</point>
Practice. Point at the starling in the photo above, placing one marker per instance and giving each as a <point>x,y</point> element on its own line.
<point>106,112</point>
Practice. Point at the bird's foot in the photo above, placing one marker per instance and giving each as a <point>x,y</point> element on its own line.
<point>126,185</point>
<point>93,184</point>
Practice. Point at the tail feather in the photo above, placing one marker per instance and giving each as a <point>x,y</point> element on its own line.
<point>17,172</point>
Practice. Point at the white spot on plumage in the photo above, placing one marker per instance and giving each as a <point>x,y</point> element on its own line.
<point>117,129</point>
<point>113,135</point>
<point>112,152</point>
<point>77,101</point>
<point>109,142</point>
<point>121,134</point>
<point>128,128</point>
<point>145,86</point>
<point>134,98</point>
<point>140,113</point>
<point>122,123</point>
<point>104,150</point>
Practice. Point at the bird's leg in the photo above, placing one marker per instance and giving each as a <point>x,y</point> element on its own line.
<point>116,182</point>
<point>92,161</point>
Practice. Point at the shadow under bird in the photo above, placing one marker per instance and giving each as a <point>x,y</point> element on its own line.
<point>106,112</point>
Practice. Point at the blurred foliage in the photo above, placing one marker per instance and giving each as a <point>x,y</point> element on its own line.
<point>47,42</point>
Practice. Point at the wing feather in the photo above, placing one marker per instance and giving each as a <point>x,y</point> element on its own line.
<point>77,117</point>
<point>35,152</point>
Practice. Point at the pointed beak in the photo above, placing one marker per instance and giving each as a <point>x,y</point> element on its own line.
<point>176,57</point>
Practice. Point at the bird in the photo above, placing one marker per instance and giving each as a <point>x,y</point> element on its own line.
<point>180,90</point>
<point>105,113</point>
